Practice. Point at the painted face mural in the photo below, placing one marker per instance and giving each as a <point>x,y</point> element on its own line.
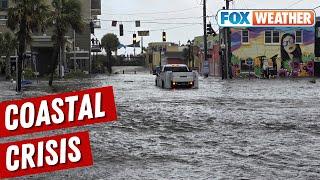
<point>289,44</point>
<point>290,51</point>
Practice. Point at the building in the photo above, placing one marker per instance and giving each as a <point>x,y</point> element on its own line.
<point>173,57</point>
<point>284,51</point>
<point>161,53</point>
<point>317,48</point>
<point>78,46</point>
<point>213,52</point>
<point>155,53</point>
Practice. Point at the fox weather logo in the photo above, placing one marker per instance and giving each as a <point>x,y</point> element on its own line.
<point>266,18</point>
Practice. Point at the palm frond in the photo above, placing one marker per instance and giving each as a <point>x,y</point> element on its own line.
<point>67,14</point>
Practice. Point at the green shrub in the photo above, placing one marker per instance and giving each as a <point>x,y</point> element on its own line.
<point>28,73</point>
<point>76,74</point>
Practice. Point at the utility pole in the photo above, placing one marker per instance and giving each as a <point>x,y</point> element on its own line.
<point>141,44</point>
<point>224,66</point>
<point>192,55</point>
<point>228,47</point>
<point>206,63</point>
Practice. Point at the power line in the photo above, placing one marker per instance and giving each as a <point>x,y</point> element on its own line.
<point>178,27</point>
<point>200,3</point>
<point>172,23</point>
<point>316,7</point>
<point>165,19</point>
<point>148,13</point>
<point>233,4</point>
<point>152,22</point>
<point>295,3</point>
<point>245,4</point>
<point>155,30</point>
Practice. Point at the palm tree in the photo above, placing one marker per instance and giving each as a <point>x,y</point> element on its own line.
<point>66,15</point>
<point>110,42</point>
<point>8,43</point>
<point>25,17</point>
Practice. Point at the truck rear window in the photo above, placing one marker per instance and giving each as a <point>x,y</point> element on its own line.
<point>176,69</point>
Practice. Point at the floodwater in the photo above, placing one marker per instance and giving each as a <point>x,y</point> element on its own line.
<point>237,129</point>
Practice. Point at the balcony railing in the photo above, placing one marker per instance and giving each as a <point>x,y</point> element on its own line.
<point>96,7</point>
<point>97,23</point>
<point>3,22</point>
<point>96,48</point>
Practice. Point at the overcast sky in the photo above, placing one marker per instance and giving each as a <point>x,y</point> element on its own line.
<point>181,19</point>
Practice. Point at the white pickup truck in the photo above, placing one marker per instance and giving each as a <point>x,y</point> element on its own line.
<point>177,75</point>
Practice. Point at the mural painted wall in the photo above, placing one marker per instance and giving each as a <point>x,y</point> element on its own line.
<point>285,52</point>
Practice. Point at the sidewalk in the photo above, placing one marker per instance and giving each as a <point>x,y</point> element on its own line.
<point>8,90</point>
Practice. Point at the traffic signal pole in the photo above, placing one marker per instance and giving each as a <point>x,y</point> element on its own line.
<point>141,44</point>
<point>134,44</point>
<point>228,47</point>
<point>205,39</point>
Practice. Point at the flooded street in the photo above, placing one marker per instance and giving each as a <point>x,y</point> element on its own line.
<point>238,129</point>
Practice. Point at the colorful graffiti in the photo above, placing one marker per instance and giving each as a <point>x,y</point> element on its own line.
<point>285,52</point>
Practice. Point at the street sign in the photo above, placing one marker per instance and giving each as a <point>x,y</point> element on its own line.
<point>144,33</point>
<point>206,67</point>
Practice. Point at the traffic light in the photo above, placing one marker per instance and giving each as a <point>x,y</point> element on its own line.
<point>138,23</point>
<point>121,29</point>
<point>210,30</point>
<point>164,36</point>
<point>92,27</point>
<point>114,23</point>
<point>134,38</point>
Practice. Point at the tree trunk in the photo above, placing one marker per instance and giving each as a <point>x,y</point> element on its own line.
<point>54,64</point>
<point>109,65</point>
<point>20,60</point>
<point>64,59</point>
<point>21,51</point>
<point>8,67</point>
